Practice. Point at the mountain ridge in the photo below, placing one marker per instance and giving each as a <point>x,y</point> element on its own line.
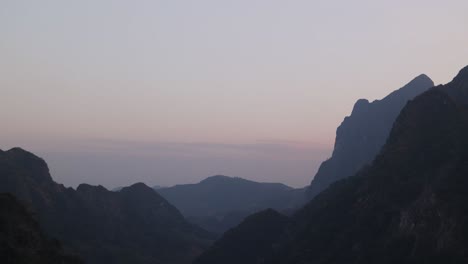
<point>134,225</point>
<point>220,202</point>
<point>361,135</point>
<point>408,206</point>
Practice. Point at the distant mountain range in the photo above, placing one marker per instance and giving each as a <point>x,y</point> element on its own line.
<point>134,225</point>
<point>117,189</point>
<point>407,206</point>
<point>362,134</point>
<point>221,202</point>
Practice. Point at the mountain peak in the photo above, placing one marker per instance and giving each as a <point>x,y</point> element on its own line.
<point>416,86</point>
<point>140,189</point>
<point>144,195</point>
<point>462,75</point>
<point>360,105</point>
<point>17,150</point>
<point>457,89</point>
<point>84,187</point>
<point>32,166</point>
<point>139,186</point>
<point>217,178</point>
<point>21,153</point>
<point>361,135</point>
<point>423,78</point>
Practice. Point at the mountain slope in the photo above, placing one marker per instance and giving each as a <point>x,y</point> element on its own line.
<point>220,202</point>
<point>408,206</point>
<point>135,225</point>
<point>22,240</point>
<point>254,234</point>
<point>362,134</point>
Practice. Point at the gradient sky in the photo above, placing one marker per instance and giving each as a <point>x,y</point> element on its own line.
<point>113,92</point>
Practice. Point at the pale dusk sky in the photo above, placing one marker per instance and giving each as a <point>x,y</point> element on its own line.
<point>167,92</point>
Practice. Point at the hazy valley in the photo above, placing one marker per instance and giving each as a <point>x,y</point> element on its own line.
<point>233,132</point>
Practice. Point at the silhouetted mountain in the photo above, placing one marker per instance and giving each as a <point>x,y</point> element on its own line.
<point>220,202</point>
<point>362,134</point>
<point>21,239</point>
<point>408,206</point>
<point>134,225</point>
<point>254,235</point>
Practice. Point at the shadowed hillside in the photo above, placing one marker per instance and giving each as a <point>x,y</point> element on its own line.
<point>135,225</point>
<point>21,239</point>
<point>251,240</point>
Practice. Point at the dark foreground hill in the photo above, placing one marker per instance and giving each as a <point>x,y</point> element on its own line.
<point>220,202</point>
<point>135,225</point>
<point>361,135</point>
<point>248,242</point>
<point>21,239</point>
<point>408,206</point>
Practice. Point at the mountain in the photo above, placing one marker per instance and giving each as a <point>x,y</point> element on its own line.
<point>407,206</point>
<point>361,135</point>
<point>220,202</point>
<point>23,241</point>
<point>254,234</point>
<point>134,225</point>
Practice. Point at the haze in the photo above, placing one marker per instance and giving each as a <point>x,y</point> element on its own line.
<point>168,92</point>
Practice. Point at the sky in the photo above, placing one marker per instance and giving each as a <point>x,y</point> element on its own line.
<point>114,92</point>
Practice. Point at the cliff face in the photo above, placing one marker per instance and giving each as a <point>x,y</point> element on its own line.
<point>407,206</point>
<point>362,134</point>
<point>135,225</point>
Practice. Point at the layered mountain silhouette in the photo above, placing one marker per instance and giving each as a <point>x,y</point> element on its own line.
<point>221,202</point>
<point>407,206</point>
<point>21,239</point>
<point>134,225</point>
<point>362,134</point>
